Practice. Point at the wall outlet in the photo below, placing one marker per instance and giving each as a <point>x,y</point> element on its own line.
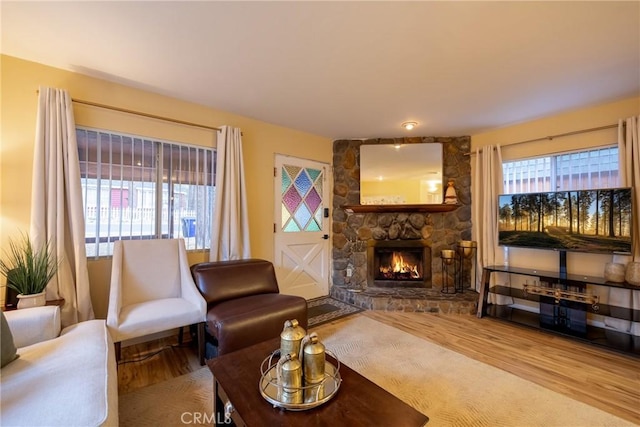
<point>349,272</point>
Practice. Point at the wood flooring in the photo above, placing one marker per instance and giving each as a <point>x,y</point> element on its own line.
<point>155,361</point>
<point>596,376</point>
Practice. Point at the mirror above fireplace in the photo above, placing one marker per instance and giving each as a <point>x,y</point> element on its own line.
<point>401,174</point>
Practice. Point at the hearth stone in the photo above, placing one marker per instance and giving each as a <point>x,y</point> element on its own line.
<point>419,300</point>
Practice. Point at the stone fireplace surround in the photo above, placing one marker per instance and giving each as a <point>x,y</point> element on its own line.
<point>353,232</point>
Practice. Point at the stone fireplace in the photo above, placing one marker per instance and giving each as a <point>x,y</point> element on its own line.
<point>398,263</point>
<point>355,233</point>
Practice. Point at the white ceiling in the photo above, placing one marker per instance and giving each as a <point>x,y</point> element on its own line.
<point>347,69</point>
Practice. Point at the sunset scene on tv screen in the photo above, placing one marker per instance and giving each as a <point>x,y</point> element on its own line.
<point>586,220</point>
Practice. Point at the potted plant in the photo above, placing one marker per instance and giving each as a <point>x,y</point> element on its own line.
<point>28,270</point>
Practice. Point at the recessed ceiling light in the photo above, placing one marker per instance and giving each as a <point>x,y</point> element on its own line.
<point>409,125</point>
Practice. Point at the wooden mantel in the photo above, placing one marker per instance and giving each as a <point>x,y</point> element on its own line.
<point>433,208</point>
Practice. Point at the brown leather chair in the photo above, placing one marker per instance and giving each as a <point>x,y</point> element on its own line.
<point>244,303</point>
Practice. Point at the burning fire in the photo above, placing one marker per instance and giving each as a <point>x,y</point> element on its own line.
<point>399,268</point>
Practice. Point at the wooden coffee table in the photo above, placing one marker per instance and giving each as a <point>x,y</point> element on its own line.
<point>357,402</point>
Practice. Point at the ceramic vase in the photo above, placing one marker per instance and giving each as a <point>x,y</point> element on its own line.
<point>33,300</point>
<point>614,272</point>
<point>633,273</point>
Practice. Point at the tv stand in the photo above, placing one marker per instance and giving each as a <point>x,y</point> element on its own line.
<point>563,305</point>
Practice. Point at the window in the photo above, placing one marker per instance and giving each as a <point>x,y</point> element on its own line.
<point>137,188</point>
<point>581,170</point>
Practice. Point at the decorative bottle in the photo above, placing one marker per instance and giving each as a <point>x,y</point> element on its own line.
<point>313,367</point>
<point>289,371</point>
<point>291,338</point>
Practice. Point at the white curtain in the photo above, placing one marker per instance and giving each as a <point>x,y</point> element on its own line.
<point>230,229</point>
<point>629,158</point>
<point>56,203</point>
<point>629,167</point>
<point>487,185</point>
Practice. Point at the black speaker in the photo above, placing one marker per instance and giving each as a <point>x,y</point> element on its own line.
<point>10,298</point>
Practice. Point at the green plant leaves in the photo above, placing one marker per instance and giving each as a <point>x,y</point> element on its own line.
<point>28,269</point>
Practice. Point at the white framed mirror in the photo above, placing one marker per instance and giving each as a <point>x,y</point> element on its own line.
<point>401,174</point>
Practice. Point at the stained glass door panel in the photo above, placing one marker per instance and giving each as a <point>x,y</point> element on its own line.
<point>301,198</point>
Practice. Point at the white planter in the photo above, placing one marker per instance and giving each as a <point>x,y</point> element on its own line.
<point>33,300</point>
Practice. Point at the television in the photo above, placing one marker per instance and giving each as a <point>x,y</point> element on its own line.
<point>595,221</point>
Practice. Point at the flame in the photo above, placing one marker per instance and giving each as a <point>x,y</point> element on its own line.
<point>400,266</point>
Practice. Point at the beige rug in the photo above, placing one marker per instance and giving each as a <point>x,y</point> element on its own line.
<point>452,389</point>
<point>184,400</point>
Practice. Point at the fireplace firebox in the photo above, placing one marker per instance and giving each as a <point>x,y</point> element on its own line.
<point>399,263</point>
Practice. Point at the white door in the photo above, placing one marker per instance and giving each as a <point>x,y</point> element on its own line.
<point>301,227</point>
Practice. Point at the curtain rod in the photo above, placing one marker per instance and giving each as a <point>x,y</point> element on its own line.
<point>551,137</point>
<point>138,113</point>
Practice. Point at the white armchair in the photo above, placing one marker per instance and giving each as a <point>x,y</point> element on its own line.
<point>152,291</point>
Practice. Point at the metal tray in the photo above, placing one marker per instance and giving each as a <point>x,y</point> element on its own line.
<point>313,395</point>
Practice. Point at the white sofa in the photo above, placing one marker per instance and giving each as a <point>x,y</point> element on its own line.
<point>62,377</point>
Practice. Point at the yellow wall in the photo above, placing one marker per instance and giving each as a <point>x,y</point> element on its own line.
<point>585,118</point>
<point>261,141</point>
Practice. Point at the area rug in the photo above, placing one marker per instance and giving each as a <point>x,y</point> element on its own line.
<point>184,400</point>
<point>451,389</point>
<point>326,309</point>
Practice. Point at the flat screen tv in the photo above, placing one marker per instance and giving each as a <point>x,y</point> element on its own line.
<point>596,221</point>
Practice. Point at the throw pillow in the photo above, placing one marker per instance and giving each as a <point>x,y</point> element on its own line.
<point>9,351</point>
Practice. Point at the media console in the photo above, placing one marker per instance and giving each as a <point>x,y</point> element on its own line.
<point>564,303</point>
